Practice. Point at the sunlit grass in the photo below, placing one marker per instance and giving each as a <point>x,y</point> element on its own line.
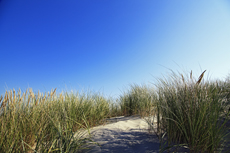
<point>47,123</point>
<point>137,100</point>
<point>189,112</point>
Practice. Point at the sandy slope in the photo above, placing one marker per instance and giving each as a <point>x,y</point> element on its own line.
<point>124,134</point>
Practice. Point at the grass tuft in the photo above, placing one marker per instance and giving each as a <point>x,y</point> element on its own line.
<point>49,123</point>
<point>189,114</point>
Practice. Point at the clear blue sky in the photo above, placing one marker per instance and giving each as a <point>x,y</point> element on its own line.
<point>105,45</point>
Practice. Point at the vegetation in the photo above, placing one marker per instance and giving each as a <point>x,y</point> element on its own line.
<point>190,113</point>
<point>138,100</point>
<point>49,123</point>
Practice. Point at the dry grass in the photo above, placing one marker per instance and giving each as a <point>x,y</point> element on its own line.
<point>48,121</point>
<point>189,113</point>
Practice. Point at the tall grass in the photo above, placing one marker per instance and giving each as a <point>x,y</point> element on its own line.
<point>137,100</point>
<point>189,111</point>
<point>50,122</point>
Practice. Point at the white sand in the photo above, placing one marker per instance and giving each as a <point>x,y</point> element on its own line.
<point>124,134</point>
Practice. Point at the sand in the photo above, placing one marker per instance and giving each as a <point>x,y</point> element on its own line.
<point>127,135</point>
<point>124,134</point>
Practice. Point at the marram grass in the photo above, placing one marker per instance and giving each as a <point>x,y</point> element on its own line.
<point>32,122</point>
<point>137,100</point>
<point>190,113</point>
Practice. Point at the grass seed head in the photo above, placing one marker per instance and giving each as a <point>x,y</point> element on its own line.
<point>200,78</point>
<point>191,75</point>
<point>1,98</point>
<point>52,93</point>
<point>11,96</point>
<point>14,94</point>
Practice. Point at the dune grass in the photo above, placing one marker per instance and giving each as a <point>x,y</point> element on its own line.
<point>50,122</point>
<point>190,112</point>
<point>137,100</point>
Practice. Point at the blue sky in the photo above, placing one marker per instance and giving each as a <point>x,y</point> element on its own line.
<point>105,45</point>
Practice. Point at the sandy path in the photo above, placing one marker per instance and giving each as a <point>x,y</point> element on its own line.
<point>124,134</point>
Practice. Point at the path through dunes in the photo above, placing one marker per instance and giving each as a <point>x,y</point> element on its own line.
<point>124,134</point>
